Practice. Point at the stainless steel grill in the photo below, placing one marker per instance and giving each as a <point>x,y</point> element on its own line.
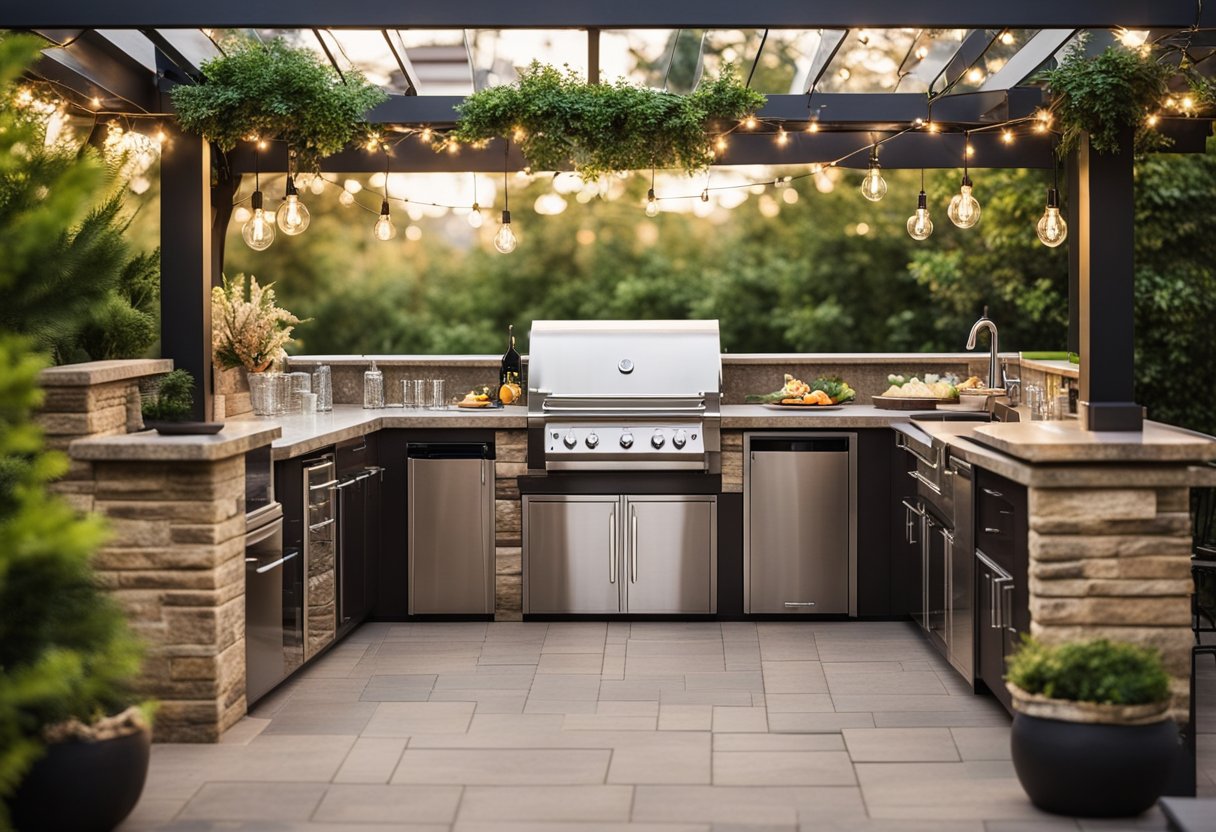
<point>626,395</point>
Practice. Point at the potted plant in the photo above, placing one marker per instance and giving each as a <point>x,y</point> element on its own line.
<point>1092,736</point>
<point>73,749</point>
<point>169,407</point>
<point>249,331</point>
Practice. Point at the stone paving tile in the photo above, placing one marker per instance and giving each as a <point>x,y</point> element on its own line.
<point>488,701</point>
<point>546,803</point>
<point>982,743</point>
<point>900,745</point>
<point>571,663</point>
<point>565,686</point>
<point>639,707</point>
<point>685,717</point>
<point>254,801</point>
<point>609,722</point>
<point>783,768</point>
<point>498,723</point>
<point>750,680</point>
<point>778,742</point>
<point>945,791</point>
<point>740,720</point>
<point>810,723</point>
<point>581,826</point>
<point>502,767</point>
<point>672,758</point>
<point>757,806</point>
<point>404,719</point>
<point>371,760</point>
<point>312,717</point>
<point>483,681</point>
<point>389,804</point>
<point>798,703</point>
<point>900,683</point>
<point>678,648</point>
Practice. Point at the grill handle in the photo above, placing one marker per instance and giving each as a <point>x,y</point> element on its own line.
<point>700,408</point>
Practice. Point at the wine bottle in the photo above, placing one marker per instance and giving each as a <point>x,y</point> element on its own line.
<point>511,369</point>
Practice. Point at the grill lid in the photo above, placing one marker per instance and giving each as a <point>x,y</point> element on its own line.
<point>594,363</point>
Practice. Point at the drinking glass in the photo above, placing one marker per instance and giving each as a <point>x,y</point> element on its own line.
<point>300,383</point>
<point>437,402</point>
<point>308,404</point>
<point>419,393</point>
<point>407,394</point>
<point>1035,401</point>
<point>283,394</point>
<point>323,386</point>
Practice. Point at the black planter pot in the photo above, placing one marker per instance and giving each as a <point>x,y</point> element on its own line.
<point>83,786</point>
<point>1093,770</point>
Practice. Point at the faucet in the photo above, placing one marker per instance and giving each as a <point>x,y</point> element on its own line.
<point>996,377</point>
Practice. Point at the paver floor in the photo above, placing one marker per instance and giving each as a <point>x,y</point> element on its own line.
<point>598,727</point>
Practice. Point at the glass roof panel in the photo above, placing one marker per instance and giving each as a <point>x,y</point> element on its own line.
<point>869,60</point>
<point>134,43</point>
<point>440,59</point>
<point>641,56</point>
<point>369,52</point>
<point>1005,43</point>
<point>785,63</point>
<point>930,53</point>
<point>194,44</point>
<point>499,54</point>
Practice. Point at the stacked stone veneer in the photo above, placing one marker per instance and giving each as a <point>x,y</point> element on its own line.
<point>511,460</point>
<point>1114,563</point>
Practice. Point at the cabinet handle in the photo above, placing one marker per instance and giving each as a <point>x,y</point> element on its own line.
<point>800,603</point>
<point>633,521</point>
<point>612,548</point>
<point>992,493</point>
<point>991,530</point>
<point>991,601</point>
<point>1007,625</point>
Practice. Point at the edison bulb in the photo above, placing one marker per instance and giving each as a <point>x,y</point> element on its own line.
<point>873,187</point>
<point>292,216</point>
<point>475,218</point>
<point>384,229</point>
<point>920,226</point>
<point>1051,228</point>
<point>964,210</point>
<point>346,198</point>
<point>258,230</point>
<point>652,205</point>
<point>505,240</point>
<point>317,186</point>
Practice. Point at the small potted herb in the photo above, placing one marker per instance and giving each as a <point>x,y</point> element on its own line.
<point>1092,735</point>
<point>169,408</point>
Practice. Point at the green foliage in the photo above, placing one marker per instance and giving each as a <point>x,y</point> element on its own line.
<point>67,278</point>
<point>1101,671</point>
<point>275,91</point>
<point>558,118</point>
<point>65,648</point>
<point>173,398</point>
<point>1106,94</point>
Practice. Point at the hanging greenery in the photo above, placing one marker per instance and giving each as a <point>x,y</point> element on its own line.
<point>558,119</point>
<point>1107,93</point>
<point>275,91</point>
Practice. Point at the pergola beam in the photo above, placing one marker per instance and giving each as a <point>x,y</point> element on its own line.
<point>90,66</point>
<point>580,14</point>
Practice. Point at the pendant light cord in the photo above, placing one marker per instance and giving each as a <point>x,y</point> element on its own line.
<point>386,171</point>
<point>966,147</point>
<point>506,156</point>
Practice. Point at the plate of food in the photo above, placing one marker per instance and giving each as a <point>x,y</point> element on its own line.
<point>479,397</point>
<point>821,393</point>
<point>911,392</point>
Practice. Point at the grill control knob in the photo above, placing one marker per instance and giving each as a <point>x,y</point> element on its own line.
<point>626,440</point>
<point>571,440</point>
<point>592,440</point>
<point>680,439</point>
<point>657,440</point>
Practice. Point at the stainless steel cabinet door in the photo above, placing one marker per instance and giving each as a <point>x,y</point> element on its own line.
<point>451,512</point>
<point>798,532</point>
<point>572,554</point>
<point>671,554</point>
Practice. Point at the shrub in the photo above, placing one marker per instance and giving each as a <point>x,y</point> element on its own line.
<point>173,398</point>
<point>1100,671</point>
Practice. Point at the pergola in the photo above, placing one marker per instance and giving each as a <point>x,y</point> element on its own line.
<point>126,55</point>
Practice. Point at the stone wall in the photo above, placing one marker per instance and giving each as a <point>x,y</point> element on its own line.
<point>511,460</point>
<point>1114,563</point>
<point>175,562</point>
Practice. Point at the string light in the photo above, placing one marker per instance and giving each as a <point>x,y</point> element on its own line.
<point>783,138</point>
<point>873,186</point>
<point>505,240</point>
<point>813,127</point>
<point>1051,228</point>
<point>292,215</point>
<point>975,75</point>
<point>720,144</point>
<point>920,226</point>
<point>1006,37</point>
<point>475,219</point>
<point>1007,136</point>
<point>1152,119</point>
<point>95,102</point>
<point>749,123</point>
<point>384,230</point>
<point>922,52</point>
<point>425,135</point>
<point>652,204</point>
<point>317,185</point>
<point>964,210</point>
<point>258,230</point>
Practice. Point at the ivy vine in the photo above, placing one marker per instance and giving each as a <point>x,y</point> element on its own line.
<point>1105,94</point>
<point>275,91</point>
<point>559,119</point>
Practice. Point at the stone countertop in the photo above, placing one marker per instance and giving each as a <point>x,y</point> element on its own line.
<point>101,372</point>
<point>1058,368</point>
<point>237,438</point>
<point>735,416</point>
<point>1066,441</point>
<point>910,358</point>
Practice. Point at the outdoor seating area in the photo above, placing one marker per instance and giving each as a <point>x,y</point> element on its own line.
<point>654,417</point>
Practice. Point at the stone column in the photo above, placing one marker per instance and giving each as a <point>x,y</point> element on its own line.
<point>100,398</point>
<point>1114,563</point>
<point>175,562</point>
<point>511,452</point>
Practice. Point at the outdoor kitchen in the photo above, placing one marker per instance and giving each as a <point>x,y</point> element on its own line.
<point>776,509</point>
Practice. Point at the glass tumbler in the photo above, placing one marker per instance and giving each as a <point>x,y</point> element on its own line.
<point>323,386</point>
<point>437,402</point>
<point>419,392</point>
<point>407,394</point>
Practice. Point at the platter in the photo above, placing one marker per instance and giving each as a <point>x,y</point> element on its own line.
<point>909,402</point>
<point>779,406</point>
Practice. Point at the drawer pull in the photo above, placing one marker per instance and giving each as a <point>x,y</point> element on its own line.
<point>991,530</point>
<point>992,493</point>
<point>800,603</point>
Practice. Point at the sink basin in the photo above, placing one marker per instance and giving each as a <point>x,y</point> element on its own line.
<point>952,416</point>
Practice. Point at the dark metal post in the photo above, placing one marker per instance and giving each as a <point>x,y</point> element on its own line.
<point>1106,287</point>
<point>1073,214</point>
<point>186,259</point>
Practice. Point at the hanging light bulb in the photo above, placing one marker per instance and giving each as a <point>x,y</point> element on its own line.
<point>475,218</point>
<point>292,216</point>
<point>783,138</point>
<point>317,185</point>
<point>346,198</point>
<point>920,226</point>
<point>874,187</point>
<point>750,122</point>
<point>1051,228</point>
<point>652,204</point>
<point>505,240</point>
<point>258,230</point>
<point>384,228</point>
<point>964,210</point>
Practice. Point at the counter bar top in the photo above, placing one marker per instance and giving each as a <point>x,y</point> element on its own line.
<point>237,437</point>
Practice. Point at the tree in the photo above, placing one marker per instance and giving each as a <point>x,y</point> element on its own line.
<point>68,279</point>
